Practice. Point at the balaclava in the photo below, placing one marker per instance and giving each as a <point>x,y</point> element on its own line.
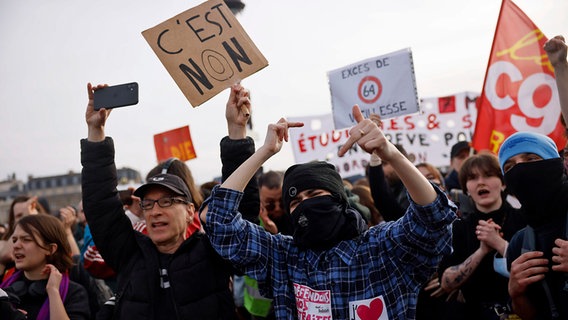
<point>322,221</point>
<point>538,185</point>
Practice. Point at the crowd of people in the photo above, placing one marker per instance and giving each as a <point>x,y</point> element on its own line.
<point>486,240</point>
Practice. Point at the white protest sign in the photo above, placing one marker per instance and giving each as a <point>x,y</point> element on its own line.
<point>384,85</point>
<point>373,308</point>
<point>317,140</point>
<point>429,136</point>
<point>312,304</point>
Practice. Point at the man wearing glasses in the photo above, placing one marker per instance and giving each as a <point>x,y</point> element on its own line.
<point>272,214</point>
<point>165,275</point>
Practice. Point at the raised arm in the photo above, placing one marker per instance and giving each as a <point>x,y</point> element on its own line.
<point>236,147</point>
<point>276,134</point>
<point>371,138</point>
<point>556,50</point>
<point>111,229</point>
<point>382,194</point>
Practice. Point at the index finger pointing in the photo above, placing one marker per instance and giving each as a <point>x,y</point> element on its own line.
<point>357,115</point>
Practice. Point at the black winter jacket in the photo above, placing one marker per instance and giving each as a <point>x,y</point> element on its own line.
<point>198,277</point>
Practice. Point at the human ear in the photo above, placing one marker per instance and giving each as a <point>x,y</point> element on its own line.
<point>190,212</point>
<point>52,248</point>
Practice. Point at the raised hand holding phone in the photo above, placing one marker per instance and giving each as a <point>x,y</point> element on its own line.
<point>121,95</point>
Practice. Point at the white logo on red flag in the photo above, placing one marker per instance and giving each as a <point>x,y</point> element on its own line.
<point>519,93</point>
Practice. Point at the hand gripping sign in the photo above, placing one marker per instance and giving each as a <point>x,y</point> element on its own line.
<point>205,50</point>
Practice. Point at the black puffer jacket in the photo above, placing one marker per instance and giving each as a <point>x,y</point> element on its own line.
<point>198,277</point>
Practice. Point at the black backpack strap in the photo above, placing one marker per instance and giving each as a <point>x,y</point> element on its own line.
<point>529,244</point>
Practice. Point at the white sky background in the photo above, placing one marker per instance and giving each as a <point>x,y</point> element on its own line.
<point>49,50</point>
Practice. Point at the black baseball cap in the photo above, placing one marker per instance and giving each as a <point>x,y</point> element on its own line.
<point>170,181</point>
<point>458,147</point>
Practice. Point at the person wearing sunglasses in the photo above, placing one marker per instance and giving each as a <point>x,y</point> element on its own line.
<point>166,274</point>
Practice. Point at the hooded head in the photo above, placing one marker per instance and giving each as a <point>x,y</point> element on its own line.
<point>320,222</point>
<point>527,142</point>
<point>312,175</point>
<point>538,184</point>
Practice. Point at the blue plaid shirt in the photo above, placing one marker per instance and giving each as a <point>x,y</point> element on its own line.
<point>392,259</point>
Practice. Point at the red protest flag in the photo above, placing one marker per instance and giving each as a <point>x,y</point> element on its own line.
<point>174,143</point>
<point>519,91</point>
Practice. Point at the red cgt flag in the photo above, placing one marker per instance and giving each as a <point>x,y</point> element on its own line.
<point>519,93</point>
<point>174,143</point>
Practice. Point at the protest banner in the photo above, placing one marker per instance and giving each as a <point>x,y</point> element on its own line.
<point>430,135</point>
<point>205,50</point>
<point>174,143</point>
<point>383,85</point>
<point>427,137</point>
<point>519,92</point>
<point>317,140</point>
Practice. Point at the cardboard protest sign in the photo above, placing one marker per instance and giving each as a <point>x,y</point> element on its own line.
<point>205,50</point>
<point>317,140</point>
<point>174,143</point>
<point>384,85</point>
<point>430,135</point>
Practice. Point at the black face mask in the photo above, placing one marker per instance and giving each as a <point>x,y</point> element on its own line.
<point>540,189</point>
<point>284,224</point>
<point>322,222</point>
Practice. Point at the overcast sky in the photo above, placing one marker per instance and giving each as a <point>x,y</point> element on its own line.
<point>49,50</point>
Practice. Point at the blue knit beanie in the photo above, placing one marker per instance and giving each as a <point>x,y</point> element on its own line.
<point>527,142</point>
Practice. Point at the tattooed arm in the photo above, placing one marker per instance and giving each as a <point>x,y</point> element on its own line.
<point>455,276</point>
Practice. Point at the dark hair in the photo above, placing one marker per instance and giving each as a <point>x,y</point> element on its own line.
<point>434,171</point>
<point>271,179</point>
<point>51,231</point>
<point>179,168</point>
<point>366,199</point>
<point>206,188</point>
<point>485,162</point>
<point>12,215</point>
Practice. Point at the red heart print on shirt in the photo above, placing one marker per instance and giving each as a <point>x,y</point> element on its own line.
<point>372,312</point>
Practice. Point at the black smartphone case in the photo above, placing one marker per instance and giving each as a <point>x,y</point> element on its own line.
<point>116,96</point>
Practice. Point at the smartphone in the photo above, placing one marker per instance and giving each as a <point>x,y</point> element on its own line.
<point>126,196</point>
<point>121,95</point>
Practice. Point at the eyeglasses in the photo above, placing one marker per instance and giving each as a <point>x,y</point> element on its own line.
<point>162,202</point>
<point>271,205</point>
